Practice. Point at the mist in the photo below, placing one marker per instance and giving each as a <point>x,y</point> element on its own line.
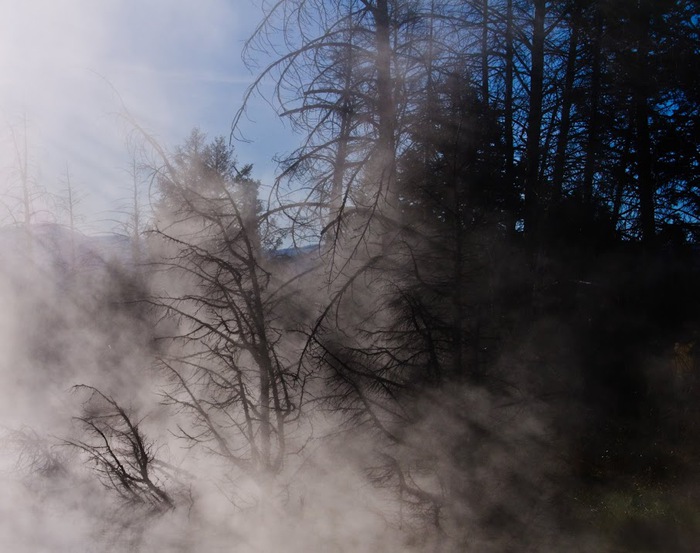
<point>349,276</point>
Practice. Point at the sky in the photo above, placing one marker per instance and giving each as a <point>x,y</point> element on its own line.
<point>67,65</point>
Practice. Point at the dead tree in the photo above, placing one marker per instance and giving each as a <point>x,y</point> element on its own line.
<point>227,358</point>
<point>120,453</point>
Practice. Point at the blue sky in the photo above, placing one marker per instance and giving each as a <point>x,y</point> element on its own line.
<point>176,64</point>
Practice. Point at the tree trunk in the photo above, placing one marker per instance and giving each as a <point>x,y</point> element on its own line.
<point>593,139</point>
<point>485,53</point>
<point>335,203</point>
<point>565,123</point>
<point>533,187</point>
<point>386,110</point>
<point>508,117</point>
<point>620,174</point>
<point>645,176</point>
<point>384,162</point>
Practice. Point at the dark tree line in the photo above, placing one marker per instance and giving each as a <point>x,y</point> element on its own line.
<point>595,101</point>
<point>477,170</point>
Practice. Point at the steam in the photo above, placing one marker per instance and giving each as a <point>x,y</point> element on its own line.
<point>123,423</point>
<point>65,328</point>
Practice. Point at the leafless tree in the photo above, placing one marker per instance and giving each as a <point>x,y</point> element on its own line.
<point>229,358</point>
<point>354,77</point>
<point>348,76</point>
<point>121,454</point>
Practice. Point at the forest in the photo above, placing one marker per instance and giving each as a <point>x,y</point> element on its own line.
<point>464,316</point>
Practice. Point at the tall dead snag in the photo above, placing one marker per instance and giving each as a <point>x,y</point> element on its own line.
<point>350,80</point>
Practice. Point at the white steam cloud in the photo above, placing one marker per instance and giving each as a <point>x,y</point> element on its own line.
<point>478,471</point>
